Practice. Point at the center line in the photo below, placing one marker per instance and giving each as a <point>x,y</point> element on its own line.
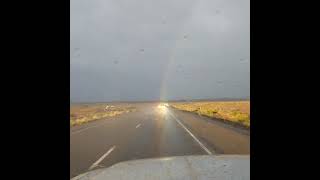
<point>138,125</point>
<point>102,157</point>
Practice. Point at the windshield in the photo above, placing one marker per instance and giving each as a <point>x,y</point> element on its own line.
<point>152,79</point>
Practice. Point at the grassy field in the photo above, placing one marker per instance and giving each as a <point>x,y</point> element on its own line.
<point>234,111</point>
<point>83,113</point>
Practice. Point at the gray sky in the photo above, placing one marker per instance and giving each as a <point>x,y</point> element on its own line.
<point>152,49</point>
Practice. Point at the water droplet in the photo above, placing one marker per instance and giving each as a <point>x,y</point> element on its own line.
<point>243,60</point>
<point>75,52</point>
<point>76,55</point>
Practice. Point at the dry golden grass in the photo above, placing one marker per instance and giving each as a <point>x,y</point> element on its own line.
<point>234,111</point>
<point>83,113</point>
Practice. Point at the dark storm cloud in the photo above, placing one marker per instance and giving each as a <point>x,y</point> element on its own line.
<point>123,50</point>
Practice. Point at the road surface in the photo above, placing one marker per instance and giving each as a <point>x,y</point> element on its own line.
<point>151,132</point>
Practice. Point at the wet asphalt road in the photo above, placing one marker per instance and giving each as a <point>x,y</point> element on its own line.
<point>148,132</point>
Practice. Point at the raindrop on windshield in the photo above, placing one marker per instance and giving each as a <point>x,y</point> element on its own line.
<point>76,55</point>
<point>243,60</point>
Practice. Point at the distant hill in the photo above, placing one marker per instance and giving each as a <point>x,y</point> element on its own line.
<point>212,99</point>
<point>173,100</point>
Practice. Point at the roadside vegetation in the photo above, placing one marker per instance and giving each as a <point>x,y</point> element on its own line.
<point>234,111</point>
<point>83,113</point>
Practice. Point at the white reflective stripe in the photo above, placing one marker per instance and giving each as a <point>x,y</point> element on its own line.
<point>193,136</point>
<point>101,158</point>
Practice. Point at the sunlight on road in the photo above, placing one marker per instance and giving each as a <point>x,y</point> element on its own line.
<point>167,159</point>
<point>162,109</point>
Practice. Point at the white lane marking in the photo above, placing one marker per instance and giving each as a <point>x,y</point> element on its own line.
<point>102,157</point>
<point>76,132</point>
<point>194,137</point>
<point>138,125</point>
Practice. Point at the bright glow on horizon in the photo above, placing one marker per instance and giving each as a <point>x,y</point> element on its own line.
<point>162,108</point>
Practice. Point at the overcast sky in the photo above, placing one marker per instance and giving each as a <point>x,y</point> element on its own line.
<point>159,49</point>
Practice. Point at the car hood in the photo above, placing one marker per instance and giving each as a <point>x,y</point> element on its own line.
<point>180,167</point>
